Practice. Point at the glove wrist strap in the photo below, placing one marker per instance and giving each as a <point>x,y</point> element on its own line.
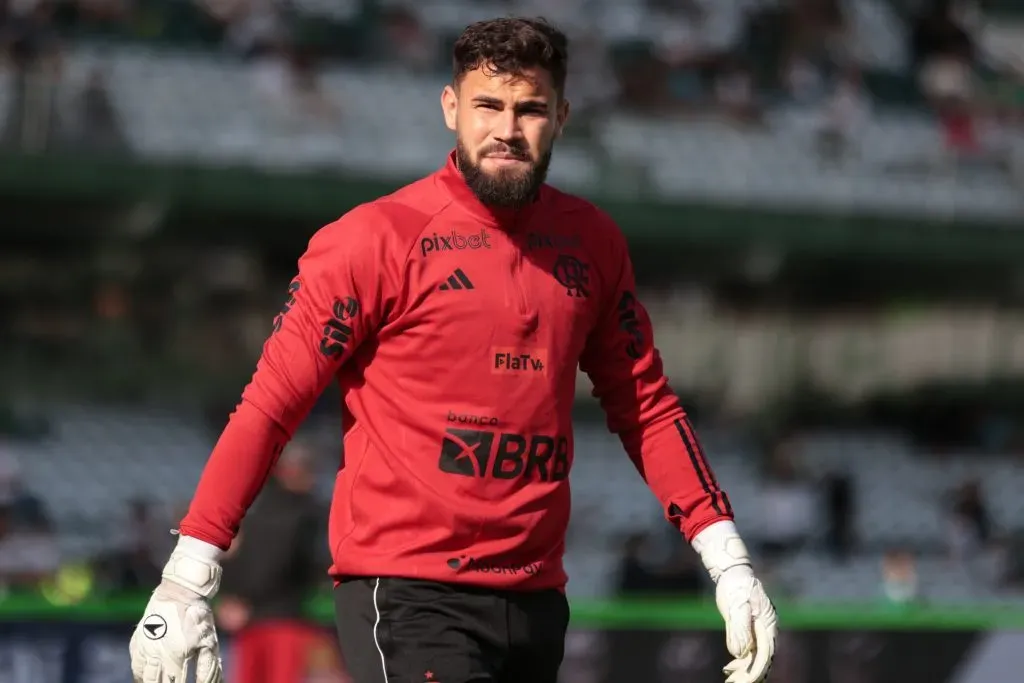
<point>197,574</point>
<point>721,548</point>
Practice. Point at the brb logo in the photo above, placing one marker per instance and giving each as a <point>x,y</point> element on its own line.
<point>503,455</point>
<point>453,241</point>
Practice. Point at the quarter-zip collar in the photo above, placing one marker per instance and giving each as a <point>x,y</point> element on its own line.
<point>508,220</point>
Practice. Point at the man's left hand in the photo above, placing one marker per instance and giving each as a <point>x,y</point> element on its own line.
<point>751,625</point>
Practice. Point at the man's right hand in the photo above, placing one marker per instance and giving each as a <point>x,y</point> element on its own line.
<point>177,632</point>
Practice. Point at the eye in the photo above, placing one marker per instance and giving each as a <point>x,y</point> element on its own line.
<point>533,111</point>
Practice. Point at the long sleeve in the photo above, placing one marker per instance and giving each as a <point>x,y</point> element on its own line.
<point>622,362</point>
<point>336,301</point>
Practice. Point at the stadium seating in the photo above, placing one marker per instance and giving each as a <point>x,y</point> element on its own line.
<point>215,110</point>
<point>95,461</point>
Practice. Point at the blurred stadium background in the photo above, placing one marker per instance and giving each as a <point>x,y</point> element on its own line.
<point>825,202</point>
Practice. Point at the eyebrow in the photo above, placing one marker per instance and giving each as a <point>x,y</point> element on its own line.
<point>525,104</point>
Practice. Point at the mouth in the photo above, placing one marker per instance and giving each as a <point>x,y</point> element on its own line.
<point>506,159</point>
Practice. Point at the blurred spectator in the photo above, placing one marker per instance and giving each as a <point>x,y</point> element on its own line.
<point>29,44</point>
<point>899,577</point>
<point>28,554</point>
<point>26,509</point>
<point>845,112</point>
<point>818,29</point>
<point>995,567</point>
<point>1009,561</point>
<point>592,82</point>
<point>283,71</point>
<point>407,42</point>
<point>683,575</point>
<point>944,53</point>
<point>149,532</point>
<point>95,126</point>
<point>286,75</point>
<point>635,575</point>
<point>249,26</point>
<point>734,92</point>
<point>817,43</point>
<point>136,564</point>
<point>680,46</point>
<point>698,45</point>
<point>970,523</point>
<point>803,82</point>
<point>307,88</point>
<point>638,574</point>
<point>103,16</point>
<point>788,503</point>
<point>840,514</point>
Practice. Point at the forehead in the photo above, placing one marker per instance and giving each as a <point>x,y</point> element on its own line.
<point>532,83</point>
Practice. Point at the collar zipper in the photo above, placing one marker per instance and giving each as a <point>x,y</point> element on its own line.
<point>518,288</point>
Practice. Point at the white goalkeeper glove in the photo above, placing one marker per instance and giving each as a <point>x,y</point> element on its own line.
<point>177,631</point>
<point>751,625</point>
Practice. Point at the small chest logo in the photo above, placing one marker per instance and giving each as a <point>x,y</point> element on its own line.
<point>516,361</point>
<point>574,275</point>
<point>454,241</point>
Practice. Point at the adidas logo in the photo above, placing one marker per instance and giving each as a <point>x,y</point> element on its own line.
<point>456,280</point>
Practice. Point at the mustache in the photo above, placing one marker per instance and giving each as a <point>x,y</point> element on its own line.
<point>514,150</point>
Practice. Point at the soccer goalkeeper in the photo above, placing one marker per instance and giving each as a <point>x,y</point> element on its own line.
<point>454,314</point>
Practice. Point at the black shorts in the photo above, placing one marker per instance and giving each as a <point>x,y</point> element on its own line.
<point>396,630</point>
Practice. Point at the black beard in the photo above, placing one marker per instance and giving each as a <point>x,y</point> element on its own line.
<point>504,189</point>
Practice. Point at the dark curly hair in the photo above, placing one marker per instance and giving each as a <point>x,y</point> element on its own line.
<point>511,45</point>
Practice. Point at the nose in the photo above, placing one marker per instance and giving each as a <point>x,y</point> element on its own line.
<point>507,128</point>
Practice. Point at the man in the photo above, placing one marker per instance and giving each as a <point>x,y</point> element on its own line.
<point>454,314</point>
<point>269,575</point>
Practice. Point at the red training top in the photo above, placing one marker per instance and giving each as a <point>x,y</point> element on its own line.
<point>455,331</point>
